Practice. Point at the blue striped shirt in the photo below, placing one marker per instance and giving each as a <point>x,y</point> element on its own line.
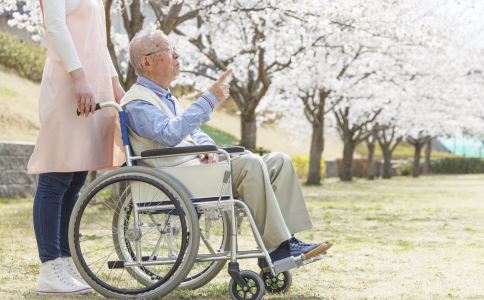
<point>147,121</point>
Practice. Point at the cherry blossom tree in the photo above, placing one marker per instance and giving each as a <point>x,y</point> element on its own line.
<point>329,76</point>
<point>375,71</point>
<point>24,15</point>
<point>257,39</point>
<point>166,15</point>
<point>392,66</point>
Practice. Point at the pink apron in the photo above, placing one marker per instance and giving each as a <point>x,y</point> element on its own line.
<point>67,143</point>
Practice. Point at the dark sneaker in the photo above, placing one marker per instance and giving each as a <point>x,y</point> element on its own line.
<point>298,241</point>
<point>294,247</point>
<point>283,251</point>
<point>299,248</point>
<point>307,246</point>
<point>308,250</point>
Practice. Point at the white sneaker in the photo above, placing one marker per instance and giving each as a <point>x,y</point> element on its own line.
<point>72,270</point>
<point>55,280</point>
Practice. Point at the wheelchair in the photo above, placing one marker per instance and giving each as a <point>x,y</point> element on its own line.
<point>140,232</point>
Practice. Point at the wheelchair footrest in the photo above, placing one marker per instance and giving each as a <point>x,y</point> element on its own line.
<point>284,264</point>
<point>289,263</point>
<point>300,261</point>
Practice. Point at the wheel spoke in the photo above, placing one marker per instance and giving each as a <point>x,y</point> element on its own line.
<point>106,236</point>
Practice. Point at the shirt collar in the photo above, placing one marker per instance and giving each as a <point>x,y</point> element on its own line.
<point>154,87</point>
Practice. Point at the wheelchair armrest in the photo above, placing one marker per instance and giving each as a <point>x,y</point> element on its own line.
<point>234,149</point>
<point>179,150</point>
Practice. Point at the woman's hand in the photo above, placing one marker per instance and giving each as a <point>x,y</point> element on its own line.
<point>86,103</point>
<point>117,89</point>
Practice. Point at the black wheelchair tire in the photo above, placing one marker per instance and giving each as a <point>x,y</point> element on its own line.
<point>183,264</point>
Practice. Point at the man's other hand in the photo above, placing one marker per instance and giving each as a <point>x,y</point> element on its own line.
<point>221,87</point>
<point>208,158</point>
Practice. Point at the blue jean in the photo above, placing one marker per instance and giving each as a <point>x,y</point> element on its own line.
<point>53,203</point>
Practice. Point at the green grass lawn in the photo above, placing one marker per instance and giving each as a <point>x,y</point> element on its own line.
<point>220,137</point>
<point>398,239</point>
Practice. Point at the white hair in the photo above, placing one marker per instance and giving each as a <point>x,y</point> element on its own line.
<point>144,42</point>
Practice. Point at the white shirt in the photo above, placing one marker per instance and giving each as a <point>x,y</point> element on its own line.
<point>55,12</point>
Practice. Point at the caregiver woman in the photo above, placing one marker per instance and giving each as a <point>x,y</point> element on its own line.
<point>77,74</point>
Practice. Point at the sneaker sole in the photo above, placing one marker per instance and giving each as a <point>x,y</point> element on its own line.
<point>79,292</point>
<point>321,249</point>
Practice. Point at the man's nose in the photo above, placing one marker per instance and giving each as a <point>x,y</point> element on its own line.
<point>175,55</point>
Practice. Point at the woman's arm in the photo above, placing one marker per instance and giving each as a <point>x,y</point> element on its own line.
<point>112,69</point>
<point>55,21</point>
<point>118,90</point>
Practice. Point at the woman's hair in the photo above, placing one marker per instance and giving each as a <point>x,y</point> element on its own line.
<point>144,42</point>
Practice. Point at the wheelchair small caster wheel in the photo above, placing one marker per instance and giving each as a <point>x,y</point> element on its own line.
<point>278,284</point>
<point>255,290</point>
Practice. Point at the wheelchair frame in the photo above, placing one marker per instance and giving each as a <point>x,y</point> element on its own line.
<point>221,203</point>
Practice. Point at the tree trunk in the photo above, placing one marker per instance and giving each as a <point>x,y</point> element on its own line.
<point>428,154</point>
<point>249,131</point>
<point>317,147</point>
<point>130,78</point>
<point>371,158</point>
<point>347,165</point>
<point>107,14</point>
<point>132,25</point>
<point>387,162</point>
<point>416,159</point>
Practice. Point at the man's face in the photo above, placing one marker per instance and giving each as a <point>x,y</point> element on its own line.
<point>164,60</point>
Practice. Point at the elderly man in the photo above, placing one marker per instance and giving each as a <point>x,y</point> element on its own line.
<point>155,119</point>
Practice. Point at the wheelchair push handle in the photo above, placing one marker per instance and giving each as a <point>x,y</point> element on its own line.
<point>98,107</point>
<point>122,119</point>
<point>103,104</point>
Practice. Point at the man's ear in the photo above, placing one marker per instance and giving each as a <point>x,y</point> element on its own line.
<point>146,63</point>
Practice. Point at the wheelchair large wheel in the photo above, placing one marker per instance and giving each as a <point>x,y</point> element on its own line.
<point>215,235</point>
<point>139,205</point>
<point>214,239</point>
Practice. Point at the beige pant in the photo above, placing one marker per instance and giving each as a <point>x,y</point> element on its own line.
<point>271,189</point>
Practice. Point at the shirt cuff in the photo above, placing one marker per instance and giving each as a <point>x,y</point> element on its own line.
<point>73,66</point>
<point>208,142</point>
<point>210,99</point>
